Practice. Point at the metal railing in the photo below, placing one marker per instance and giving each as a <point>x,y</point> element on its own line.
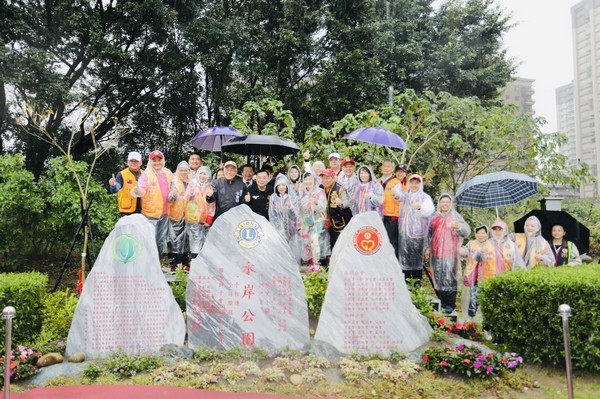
<point>8,314</point>
<point>565,312</point>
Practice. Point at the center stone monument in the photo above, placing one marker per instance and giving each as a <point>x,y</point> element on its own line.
<point>367,306</point>
<point>245,288</point>
<point>126,302</point>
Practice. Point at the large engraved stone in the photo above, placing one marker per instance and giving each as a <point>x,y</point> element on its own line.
<point>367,305</point>
<point>126,302</point>
<point>245,288</point>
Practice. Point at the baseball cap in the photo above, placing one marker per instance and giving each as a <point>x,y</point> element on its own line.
<point>402,167</point>
<point>328,172</point>
<point>134,156</point>
<point>417,177</point>
<point>156,154</point>
<point>499,223</point>
<point>347,161</point>
<point>229,163</point>
<point>335,155</point>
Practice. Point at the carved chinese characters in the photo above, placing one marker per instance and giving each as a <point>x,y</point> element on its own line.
<point>367,306</point>
<point>245,288</point>
<point>126,302</point>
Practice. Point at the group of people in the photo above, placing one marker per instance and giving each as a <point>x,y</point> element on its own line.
<point>311,205</point>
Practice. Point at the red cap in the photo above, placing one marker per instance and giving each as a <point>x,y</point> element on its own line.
<point>156,154</point>
<point>347,161</point>
<point>328,172</point>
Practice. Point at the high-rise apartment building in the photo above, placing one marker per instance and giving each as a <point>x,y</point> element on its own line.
<point>565,119</point>
<point>585,17</point>
<point>519,92</point>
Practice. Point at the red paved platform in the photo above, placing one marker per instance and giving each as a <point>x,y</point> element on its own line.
<point>135,392</point>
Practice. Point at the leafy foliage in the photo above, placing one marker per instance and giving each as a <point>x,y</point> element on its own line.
<point>315,286</point>
<point>521,310</point>
<point>469,361</point>
<point>25,292</point>
<point>38,218</point>
<point>59,308</point>
<point>125,364</point>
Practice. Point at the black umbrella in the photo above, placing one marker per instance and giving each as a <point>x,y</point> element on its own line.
<point>576,232</point>
<point>264,145</point>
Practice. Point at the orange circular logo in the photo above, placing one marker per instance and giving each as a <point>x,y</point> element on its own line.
<point>367,240</point>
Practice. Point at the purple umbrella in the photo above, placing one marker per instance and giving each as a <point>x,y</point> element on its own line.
<point>212,139</point>
<point>378,135</point>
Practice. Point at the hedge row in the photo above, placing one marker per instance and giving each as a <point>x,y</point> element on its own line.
<point>25,292</point>
<point>521,309</point>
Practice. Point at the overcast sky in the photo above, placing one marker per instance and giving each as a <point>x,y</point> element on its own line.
<point>542,43</point>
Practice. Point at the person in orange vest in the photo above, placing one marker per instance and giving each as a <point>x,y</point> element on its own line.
<point>153,189</point>
<point>124,182</point>
<point>391,206</point>
<point>177,228</point>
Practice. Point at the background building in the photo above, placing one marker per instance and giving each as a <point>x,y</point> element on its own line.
<point>585,17</point>
<point>520,93</point>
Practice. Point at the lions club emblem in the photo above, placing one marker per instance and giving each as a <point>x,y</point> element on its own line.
<point>367,240</point>
<point>248,234</point>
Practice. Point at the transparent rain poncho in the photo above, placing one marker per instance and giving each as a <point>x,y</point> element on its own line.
<point>447,230</point>
<point>367,195</point>
<point>151,182</point>
<point>294,175</point>
<point>283,214</point>
<point>177,206</point>
<point>198,212</point>
<point>532,246</point>
<point>413,225</point>
<point>312,204</point>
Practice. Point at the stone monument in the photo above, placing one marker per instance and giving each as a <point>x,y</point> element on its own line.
<point>245,289</point>
<point>126,302</point>
<point>367,306</point>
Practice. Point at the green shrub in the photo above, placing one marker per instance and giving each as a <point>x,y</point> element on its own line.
<point>125,364</point>
<point>179,287</point>
<point>25,292</point>
<point>315,286</point>
<point>521,309</point>
<point>59,308</point>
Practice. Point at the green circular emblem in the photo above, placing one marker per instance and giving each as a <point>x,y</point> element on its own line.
<point>126,248</point>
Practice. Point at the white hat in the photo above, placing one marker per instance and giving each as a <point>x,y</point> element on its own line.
<point>230,163</point>
<point>335,154</point>
<point>134,156</point>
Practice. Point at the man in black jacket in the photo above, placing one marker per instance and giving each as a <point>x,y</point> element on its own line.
<point>257,195</point>
<point>226,191</point>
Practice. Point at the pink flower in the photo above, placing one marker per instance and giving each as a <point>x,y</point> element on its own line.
<point>444,363</point>
<point>460,347</point>
<point>477,364</point>
<point>481,358</point>
<point>425,358</point>
<point>488,369</point>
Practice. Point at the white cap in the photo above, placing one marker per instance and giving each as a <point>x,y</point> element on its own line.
<point>334,154</point>
<point>134,156</point>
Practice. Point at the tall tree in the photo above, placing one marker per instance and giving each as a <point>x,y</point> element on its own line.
<point>115,56</point>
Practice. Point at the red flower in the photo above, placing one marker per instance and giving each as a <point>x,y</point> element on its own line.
<point>425,358</point>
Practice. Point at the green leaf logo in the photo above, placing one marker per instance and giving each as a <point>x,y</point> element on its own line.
<point>126,248</point>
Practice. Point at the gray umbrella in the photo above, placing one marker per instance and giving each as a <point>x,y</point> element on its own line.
<point>496,189</point>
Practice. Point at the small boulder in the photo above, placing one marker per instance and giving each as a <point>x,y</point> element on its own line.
<point>296,379</point>
<point>49,359</point>
<point>77,357</point>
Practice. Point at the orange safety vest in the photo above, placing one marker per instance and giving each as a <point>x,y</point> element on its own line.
<point>152,201</point>
<point>126,202</point>
<point>177,207</point>
<point>197,208</point>
<point>391,207</point>
<point>489,264</point>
